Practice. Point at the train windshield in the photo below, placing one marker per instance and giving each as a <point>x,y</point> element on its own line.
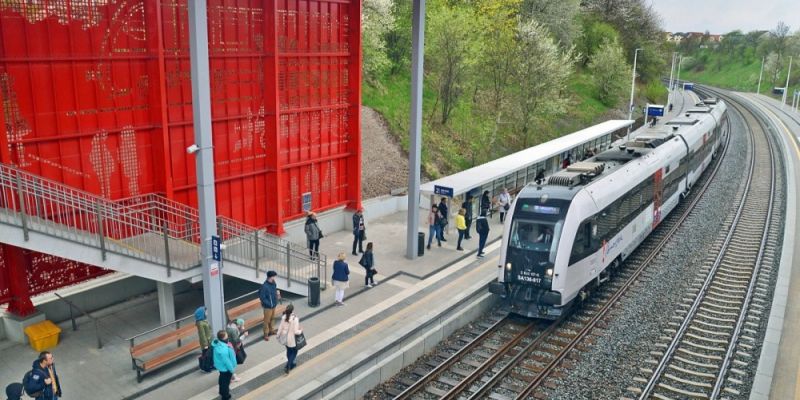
<point>537,238</point>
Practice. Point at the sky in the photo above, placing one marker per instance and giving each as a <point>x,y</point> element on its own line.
<point>722,16</point>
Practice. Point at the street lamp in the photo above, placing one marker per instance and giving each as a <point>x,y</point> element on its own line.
<point>786,87</point>
<point>633,85</point>
<point>758,91</point>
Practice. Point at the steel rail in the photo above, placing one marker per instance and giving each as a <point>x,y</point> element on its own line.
<point>456,357</point>
<point>691,313</point>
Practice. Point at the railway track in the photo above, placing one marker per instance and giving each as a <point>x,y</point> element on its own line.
<point>522,369</point>
<point>711,336</point>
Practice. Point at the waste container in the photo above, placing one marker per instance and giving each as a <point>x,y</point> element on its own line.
<point>420,243</point>
<point>43,335</point>
<point>313,292</point>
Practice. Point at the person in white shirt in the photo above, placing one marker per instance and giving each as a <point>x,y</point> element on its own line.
<point>504,203</point>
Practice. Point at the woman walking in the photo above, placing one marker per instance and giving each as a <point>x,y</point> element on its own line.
<point>504,201</point>
<point>340,278</point>
<point>461,225</point>
<point>287,330</point>
<point>486,203</point>
<point>368,262</point>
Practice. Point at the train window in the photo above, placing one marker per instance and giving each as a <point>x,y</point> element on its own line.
<point>582,246</point>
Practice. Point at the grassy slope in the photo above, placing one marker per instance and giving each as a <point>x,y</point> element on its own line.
<point>441,154</point>
<point>732,74</point>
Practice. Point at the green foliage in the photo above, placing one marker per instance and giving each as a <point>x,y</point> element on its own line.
<point>655,92</point>
<point>558,16</point>
<point>595,34</point>
<point>377,21</point>
<point>609,72</point>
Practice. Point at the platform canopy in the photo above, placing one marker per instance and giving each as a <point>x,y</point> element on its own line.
<point>464,181</point>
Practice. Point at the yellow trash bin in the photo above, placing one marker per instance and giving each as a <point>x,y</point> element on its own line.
<point>43,335</point>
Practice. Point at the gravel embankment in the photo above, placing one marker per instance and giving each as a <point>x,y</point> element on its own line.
<point>384,166</point>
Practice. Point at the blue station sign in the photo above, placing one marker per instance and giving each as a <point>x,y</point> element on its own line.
<point>215,248</point>
<point>442,191</point>
<point>655,110</point>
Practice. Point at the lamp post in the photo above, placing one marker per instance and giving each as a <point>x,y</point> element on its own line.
<point>758,91</point>
<point>415,127</point>
<point>786,86</point>
<point>204,161</point>
<point>671,75</point>
<point>678,78</point>
<point>633,85</point>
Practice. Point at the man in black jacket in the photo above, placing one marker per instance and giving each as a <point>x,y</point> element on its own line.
<point>482,227</point>
<point>444,216</point>
<point>467,205</point>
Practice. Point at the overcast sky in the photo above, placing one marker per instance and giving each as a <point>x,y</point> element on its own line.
<point>722,16</point>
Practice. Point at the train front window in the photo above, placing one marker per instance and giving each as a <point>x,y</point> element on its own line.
<point>540,237</point>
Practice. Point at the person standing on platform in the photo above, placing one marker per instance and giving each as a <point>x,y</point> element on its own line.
<point>270,296</point>
<point>224,362</point>
<point>368,262</point>
<point>467,205</point>
<point>287,331</point>
<point>461,225</point>
<point>433,226</point>
<point>504,202</point>
<point>203,328</point>
<point>443,218</point>
<point>359,231</point>
<point>43,382</point>
<point>482,227</point>
<point>313,234</point>
<point>486,203</point>
<point>340,278</point>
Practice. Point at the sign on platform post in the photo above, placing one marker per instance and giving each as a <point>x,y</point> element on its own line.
<point>688,86</point>
<point>442,191</point>
<point>215,250</point>
<point>655,110</point>
<point>214,269</point>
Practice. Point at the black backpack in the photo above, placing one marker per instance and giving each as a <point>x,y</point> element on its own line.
<point>26,385</point>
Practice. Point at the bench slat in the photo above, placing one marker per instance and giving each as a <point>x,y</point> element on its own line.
<point>241,309</point>
<point>162,359</point>
<point>158,342</point>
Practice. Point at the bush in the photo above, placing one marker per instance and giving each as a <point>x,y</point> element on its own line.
<point>655,93</point>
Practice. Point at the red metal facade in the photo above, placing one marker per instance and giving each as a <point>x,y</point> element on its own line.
<point>97,94</point>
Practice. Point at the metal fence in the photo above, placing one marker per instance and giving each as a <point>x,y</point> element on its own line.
<point>148,227</point>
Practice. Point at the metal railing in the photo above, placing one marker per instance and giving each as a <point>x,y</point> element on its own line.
<point>148,227</point>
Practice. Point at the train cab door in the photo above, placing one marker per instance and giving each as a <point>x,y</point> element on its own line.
<point>658,191</point>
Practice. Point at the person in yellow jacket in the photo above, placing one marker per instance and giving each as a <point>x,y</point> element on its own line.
<point>461,225</point>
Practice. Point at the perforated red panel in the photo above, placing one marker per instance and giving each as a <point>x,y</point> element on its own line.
<point>5,293</point>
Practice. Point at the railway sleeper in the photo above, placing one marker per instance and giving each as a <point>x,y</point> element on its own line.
<point>693,373</point>
<point>695,363</point>
<point>707,339</point>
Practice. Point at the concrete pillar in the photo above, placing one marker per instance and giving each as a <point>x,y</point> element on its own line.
<point>166,302</point>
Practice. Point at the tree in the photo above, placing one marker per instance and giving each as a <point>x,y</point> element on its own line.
<point>540,76</point>
<point>497,51</point>
<point>377,21</point>
<point>559,16</point>
<point>398,38</point>
<point>595,34</point>
<point>448,54</point>
<point>609,71</point>
<point>772,67</point>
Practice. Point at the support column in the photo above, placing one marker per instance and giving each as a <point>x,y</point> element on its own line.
<point>415,126</point>
<point>166,302</point>
<point>17,263</point>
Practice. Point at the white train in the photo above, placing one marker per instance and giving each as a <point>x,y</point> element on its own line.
<point>563,238</point>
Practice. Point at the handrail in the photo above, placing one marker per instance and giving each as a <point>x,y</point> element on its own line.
<point>75,325</point>
<point>148,227</point>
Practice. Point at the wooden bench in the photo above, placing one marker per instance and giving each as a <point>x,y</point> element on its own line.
<point>143,365</point>
<point>250,306</point>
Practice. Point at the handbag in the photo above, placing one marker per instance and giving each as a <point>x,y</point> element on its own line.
<point>299,341</point>
<point>241,355</point>
<point>506,206</point>
<point>206,360</point>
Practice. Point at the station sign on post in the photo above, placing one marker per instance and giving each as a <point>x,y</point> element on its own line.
<point>655,110</point>
<point>215,248</point>
<point>442,191</point>
<point>688,86</point>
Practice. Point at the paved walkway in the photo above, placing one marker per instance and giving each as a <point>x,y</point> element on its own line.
<point>91,373</point>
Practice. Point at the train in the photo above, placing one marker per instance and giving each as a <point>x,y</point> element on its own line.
<point>564,237</point>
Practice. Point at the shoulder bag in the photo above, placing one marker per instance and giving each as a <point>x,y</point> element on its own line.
<point>299,341</point>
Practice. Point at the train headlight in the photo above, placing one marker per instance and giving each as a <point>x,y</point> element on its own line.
<point>508,266</point>
<point>549,272</point>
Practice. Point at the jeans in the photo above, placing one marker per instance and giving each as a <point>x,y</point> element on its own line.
<point>440,230</point>
<point>313,247</point>
<point>469,224</point>
<point>482,241</point>
<point>358,239</point>
<point>225,385</point>
<point>291,356</point>
<point>433,230</point>
<point>461,234</point>
<point>502,216</point>
<point>369,278</point>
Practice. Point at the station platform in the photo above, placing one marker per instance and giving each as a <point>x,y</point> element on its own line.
<point>91,373</point>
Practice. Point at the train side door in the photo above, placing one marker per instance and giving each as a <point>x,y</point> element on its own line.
<point>658,190</point>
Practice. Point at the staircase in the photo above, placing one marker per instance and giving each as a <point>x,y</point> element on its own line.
<point>148,236</point>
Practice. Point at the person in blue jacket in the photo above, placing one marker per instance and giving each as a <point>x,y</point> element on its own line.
<point>224,362</point>
<point>340,278</point>
<point>43,382</point>
<point>269,295</point>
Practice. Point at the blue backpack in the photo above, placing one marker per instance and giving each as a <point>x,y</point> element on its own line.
<point>26,385</point>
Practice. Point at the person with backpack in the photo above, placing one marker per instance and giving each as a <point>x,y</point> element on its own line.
<point>42,382</point>
<point>313,235</point>
<point>203,328</point>
<point>236,334</point>
<point>287,336</point>
<point>224,362</point>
